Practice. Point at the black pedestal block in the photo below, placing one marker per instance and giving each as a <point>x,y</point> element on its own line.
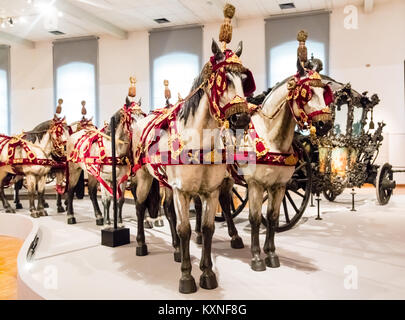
<point>111,237</point>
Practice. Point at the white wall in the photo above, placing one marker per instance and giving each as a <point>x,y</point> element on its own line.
<point>31,86</point>
<point>118,60</point>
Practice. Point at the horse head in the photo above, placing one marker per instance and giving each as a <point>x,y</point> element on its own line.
<point>229,83</point>
<point>59,134</point>
<point>309,99</point>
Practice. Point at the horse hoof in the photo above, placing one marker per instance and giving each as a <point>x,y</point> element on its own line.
<point>199,239</point>
<point>100,221</point>
<point>148,225</point>
<point>187,285</point>
<point>18,205</point>
<point>71,220</point>
<point>34,214</point>
<point>61,209</point>
<point>272,261</point>
<point>142,250</point>
<point>159,223</point>
<point>237,243</point>
<point>258,265</point>
<point>10,210</point>
<point>208,281</point>
<point>177,256</point>
<point>43,213</point>
<point>46,205</point>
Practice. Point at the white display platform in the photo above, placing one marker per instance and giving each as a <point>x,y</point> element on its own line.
<point>317,257</point>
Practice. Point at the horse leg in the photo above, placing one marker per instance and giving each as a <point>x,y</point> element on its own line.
<point>74,174</point>
<point>41,180</point>
<point>92,186</point>
<point>17,187</point>
<point>142,192</point>
<point>121,202</point>
<point>198,214</point>
<point>59,191</point>
<point>255,218</point>
<point>273,212</point>
<point>106,201</point>
<point>225,198</point>
<point>182,207</point>
<point>3,198</point>
<point>170,213</point>
<point>31,187</point>
<point>208,280</point>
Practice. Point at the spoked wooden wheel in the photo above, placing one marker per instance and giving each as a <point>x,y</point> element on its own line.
<point>238,203</point>
<point>297,193</point>
<point>384,184</point>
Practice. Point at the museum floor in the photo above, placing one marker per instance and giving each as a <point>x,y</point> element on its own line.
<point>319,259</point>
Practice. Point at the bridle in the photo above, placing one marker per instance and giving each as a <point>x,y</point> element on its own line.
<point>300,92</point>
<point>56,131</point>
<point>217,85</point>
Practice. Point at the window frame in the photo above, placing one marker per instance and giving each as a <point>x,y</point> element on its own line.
<point>94,61</point>
<point>7,65</point>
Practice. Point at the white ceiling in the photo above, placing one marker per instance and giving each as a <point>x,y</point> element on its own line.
<point>85,17</point>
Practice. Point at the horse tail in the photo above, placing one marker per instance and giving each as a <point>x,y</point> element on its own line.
<point>153,200</point>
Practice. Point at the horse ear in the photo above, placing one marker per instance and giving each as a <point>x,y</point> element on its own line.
<point>140,101</point>
<point>238,51</point>
<point>216,51</point>
<point>127,102</point>
<point>300,68</point>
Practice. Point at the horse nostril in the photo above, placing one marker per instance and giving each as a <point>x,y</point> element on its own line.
<point>321,124</point>
<point>234,118</point>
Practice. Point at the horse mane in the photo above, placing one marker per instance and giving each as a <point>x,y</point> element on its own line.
<point>190,106</point>
<point>117,119</point>
<point>258,99</point>
<point>38,132</point>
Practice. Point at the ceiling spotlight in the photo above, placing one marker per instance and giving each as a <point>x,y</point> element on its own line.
<point>11,22</point>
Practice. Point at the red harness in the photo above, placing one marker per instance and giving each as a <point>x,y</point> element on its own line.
<point>93,163</point>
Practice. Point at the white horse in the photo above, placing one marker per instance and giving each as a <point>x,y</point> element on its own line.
<point>30,154</point>
<point>274,124</point>
<point>100,150</point>
<point>217,95</point>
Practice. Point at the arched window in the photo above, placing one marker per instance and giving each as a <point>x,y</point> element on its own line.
<point>174,55</point>
<point>4,89</point>
<point>75,67</point>
<point>76,82</point>
<point>281,43</point>
<point>180,68</point>
<point>283,59</point>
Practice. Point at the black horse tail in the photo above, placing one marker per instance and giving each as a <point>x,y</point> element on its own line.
<point>153,200</point>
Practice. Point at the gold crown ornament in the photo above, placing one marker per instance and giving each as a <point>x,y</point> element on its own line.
<point>59,106</point>
<point>225,32</point>
<point>132,88</point>
<point>302,52</point>
<point>168,94</point>
<point>84,111</point>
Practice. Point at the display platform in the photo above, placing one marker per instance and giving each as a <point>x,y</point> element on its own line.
<point>319,259</point>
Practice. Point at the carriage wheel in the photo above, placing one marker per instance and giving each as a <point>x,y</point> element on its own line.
<point>384,183</point>
<point>297,193</point>
<point>238,203</point>
<point>329,194</point>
